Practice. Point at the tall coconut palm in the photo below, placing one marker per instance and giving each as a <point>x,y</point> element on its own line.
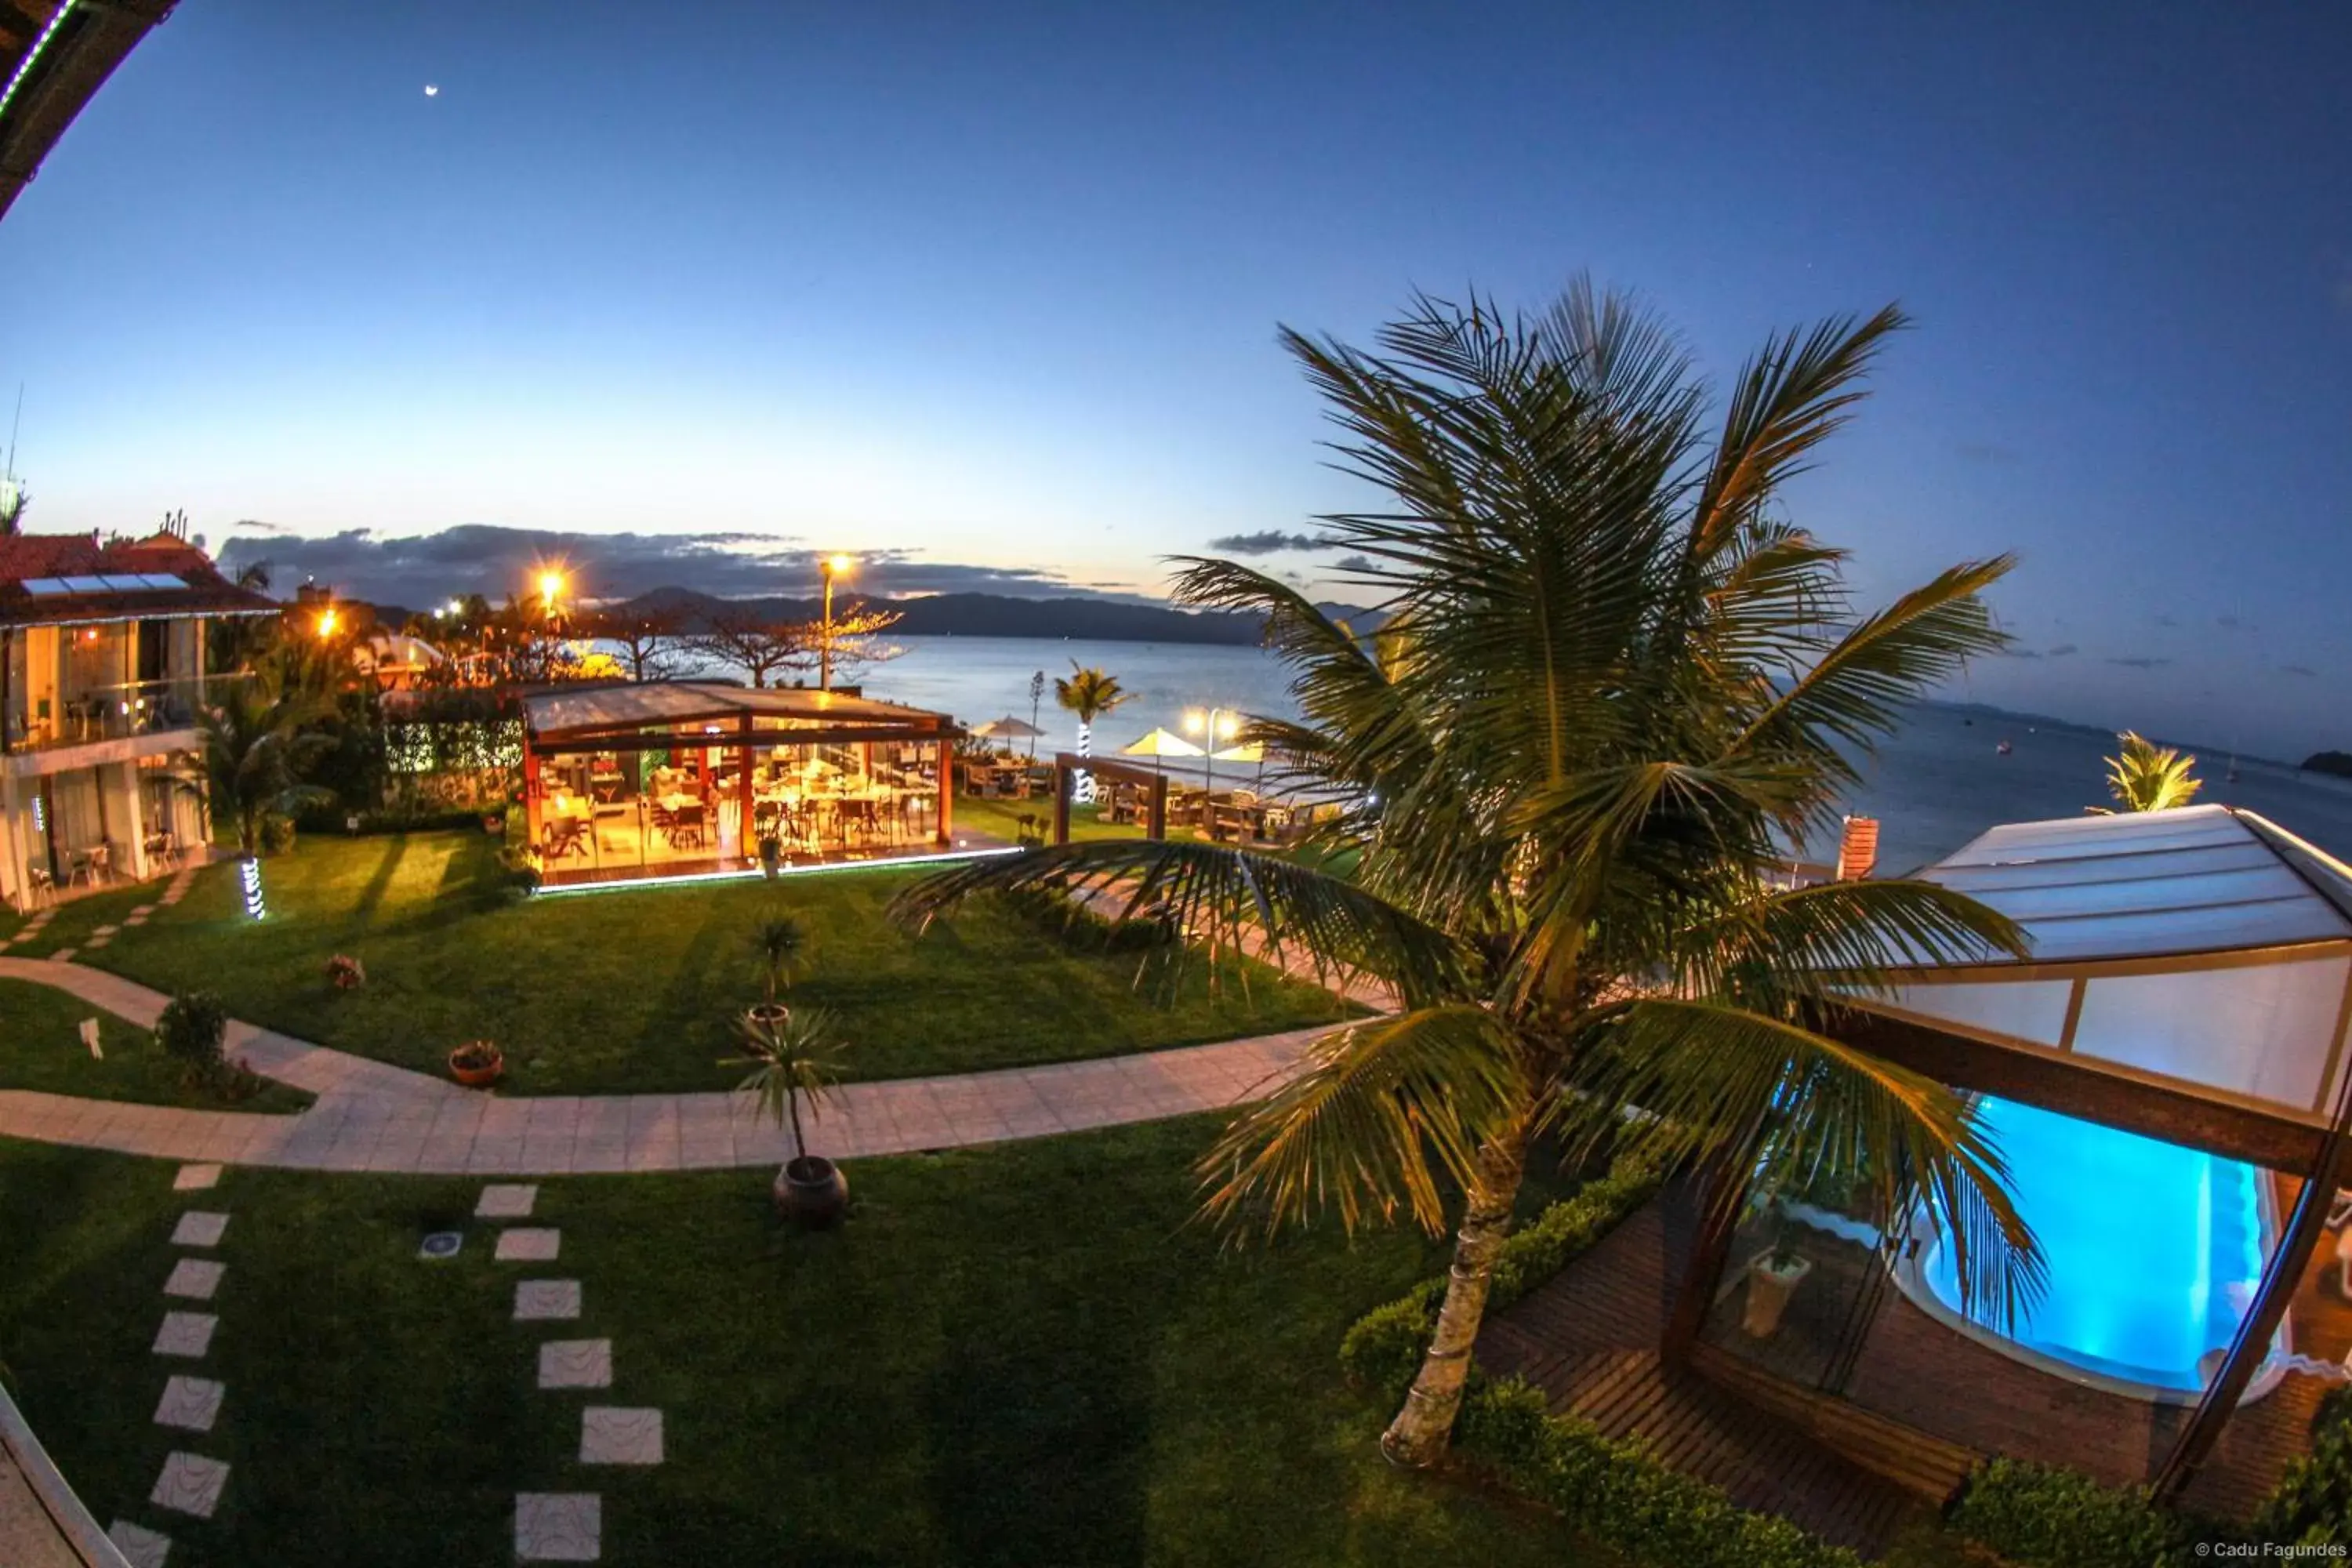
<point>257,749</point>
<point>1090,694</point>
<point>1611,683</point>
<point>2149,778</point>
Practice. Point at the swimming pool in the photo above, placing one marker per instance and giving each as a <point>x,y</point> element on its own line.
<point>2154,1251</point>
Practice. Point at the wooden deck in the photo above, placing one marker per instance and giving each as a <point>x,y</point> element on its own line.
<point>1923,1401</point>
<point>1589,1340</point>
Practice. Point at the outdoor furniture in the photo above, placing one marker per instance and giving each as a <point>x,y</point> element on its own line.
<point>89,866</point>
<point>686,827</point>
<point>856,819</point>
<point>162,853</point>
<point>40,886</point>
<point>565,837</point>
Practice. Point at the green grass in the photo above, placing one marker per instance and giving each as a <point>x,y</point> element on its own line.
<point>41,1048</point>
<point>1021,1354</point>
<point>635,991</point>
<point>1002,818</point>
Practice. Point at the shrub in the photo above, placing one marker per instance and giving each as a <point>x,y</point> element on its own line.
<point>478,1056</point>
<point>191,1031</point>
<point>2039,1516</point>
<point>2312,1504</point>
<point>1613,1492</point>
<point>276,833</point>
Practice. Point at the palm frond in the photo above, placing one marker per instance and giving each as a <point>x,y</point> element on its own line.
<point>1217,893</point>
<point>1384,1114</point>
<point>1708,1071</point>
<point>1834,938</point>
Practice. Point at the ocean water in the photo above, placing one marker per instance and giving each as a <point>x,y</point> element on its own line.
<point>1938,784</point>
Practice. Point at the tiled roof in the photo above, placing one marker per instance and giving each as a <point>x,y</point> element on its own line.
<point>34,557</point>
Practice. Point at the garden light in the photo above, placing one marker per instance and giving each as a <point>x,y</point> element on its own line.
<point>250,871</point>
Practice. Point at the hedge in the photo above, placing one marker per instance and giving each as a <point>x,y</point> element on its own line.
<point>2039,1516</point>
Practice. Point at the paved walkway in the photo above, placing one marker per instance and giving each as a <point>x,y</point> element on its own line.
<point>372,1117</point>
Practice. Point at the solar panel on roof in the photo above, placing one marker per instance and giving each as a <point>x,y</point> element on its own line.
<point>161,580</point>
<point>46,585</point>
<point>85,585</point>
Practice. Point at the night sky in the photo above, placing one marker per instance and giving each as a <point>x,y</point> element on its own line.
<point>993,288</point>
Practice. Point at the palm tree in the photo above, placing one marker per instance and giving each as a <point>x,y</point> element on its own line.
<point>792,1060</point>
<point>1090,694</point>
<point>780,942</point>
<point>257,750</point>
<point>1610,684</point>
<point>2149,778</point>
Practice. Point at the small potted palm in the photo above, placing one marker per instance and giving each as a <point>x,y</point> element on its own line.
<point>1773,1276</point>
<point>780,942</point>
<point>792,1059</point>
<point>477,1064</point>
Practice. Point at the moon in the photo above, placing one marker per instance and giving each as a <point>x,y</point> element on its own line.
<point>431,90</point>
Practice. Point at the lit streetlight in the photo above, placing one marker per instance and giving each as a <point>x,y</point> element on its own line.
<point>835,566</point>
<point>1216,724</point>
<point>327,622</point>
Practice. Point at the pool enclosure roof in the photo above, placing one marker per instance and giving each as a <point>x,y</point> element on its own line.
<point>2190,974</point>
<point>580,712</point>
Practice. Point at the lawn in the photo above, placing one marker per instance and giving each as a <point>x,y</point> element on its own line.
<point>41,1048</point>
<point>1021,1354</point>
<point>635,991</point>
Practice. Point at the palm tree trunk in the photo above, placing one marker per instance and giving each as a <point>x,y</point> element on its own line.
<point>1418,1435</point>
<point>1083,790</point>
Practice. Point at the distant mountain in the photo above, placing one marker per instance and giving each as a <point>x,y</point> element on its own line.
<point>997,615</point>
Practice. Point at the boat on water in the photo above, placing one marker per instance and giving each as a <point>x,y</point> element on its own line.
<point>2003,748</point>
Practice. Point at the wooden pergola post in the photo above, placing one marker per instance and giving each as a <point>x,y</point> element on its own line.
<point>946,836</point>
<point>747,798</point>
<point>1061,804</point>
<point>1158,826</point>
<point>530,793</point>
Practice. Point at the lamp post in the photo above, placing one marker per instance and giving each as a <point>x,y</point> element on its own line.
<point>835,566</point>
<point>1211,724</point>
<point>550,592</point>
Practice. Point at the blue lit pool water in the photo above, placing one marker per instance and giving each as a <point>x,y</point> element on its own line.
<point>2154,1250</point>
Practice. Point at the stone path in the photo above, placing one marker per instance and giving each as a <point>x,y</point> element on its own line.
<point>372,1117</point>
<point>191,1483</point>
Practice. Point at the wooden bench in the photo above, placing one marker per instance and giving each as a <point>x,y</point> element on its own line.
<point>1929,1467</point>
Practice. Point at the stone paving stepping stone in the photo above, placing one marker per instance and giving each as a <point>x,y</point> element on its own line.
<point>190,1403</point>
<point>616,1435</point>
<point>193,1178</point>
<point>190,1484</point>
<point>540,1300</point>
<point>185,1333</point>
<point>198,1228</point>
<point>136,920</point>
<point>195,1279</point>
<point>106,930</point>
<point>140,1547</point>
<point>575,1363</point>
<point>143,909</point>
<point>558,1527</point>
<point>503,1201</point>
<point>529,1244</point>
<point>62,955</point>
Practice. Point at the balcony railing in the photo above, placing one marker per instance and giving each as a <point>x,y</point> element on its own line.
<point>113,712</point>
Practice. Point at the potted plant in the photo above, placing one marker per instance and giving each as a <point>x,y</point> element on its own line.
<point>477,1064</point>
<point>494,822</point>
<point>795,1059</point>
<point>779,941</point>
<point>345,972</point>
<point>772,854</point>
<point>1773,1276</point>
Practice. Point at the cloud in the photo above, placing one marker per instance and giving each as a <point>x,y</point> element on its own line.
<point>426,568</point>
<point>2141,661</point>
<point>1272,542</point>
<point>2022,653</point>
<point>2064,650</point>
<point>1354,564</point>
<point>1988,452</point>
<point>2299,669</point>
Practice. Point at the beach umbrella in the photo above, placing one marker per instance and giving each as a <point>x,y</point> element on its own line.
<point>1008,729</point>
<point>1248,751</point>
<point>1161,743</point>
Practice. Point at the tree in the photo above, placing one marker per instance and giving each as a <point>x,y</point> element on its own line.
<point>257,750</point>
<point>758,646</point>
<point>2148,777</point>
<point>856,635</point>
<point>1088,693</point>
<point>648,638</point>
<point>1611,680</point>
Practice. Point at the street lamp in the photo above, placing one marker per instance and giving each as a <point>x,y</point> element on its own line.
<point>835,566</point>
<point>551,589</point>
<point>327,619</point>
<point>1214,724</point>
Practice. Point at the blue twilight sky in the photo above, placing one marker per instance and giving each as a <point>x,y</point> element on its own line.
<point>991,290</point>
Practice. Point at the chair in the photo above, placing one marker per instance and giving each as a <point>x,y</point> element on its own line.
<point>40,888</point>
<point>162,855</point>
<point>566,836</point>
<point>686,827</point>
<point>858,820</point>
<point>90,867</point>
